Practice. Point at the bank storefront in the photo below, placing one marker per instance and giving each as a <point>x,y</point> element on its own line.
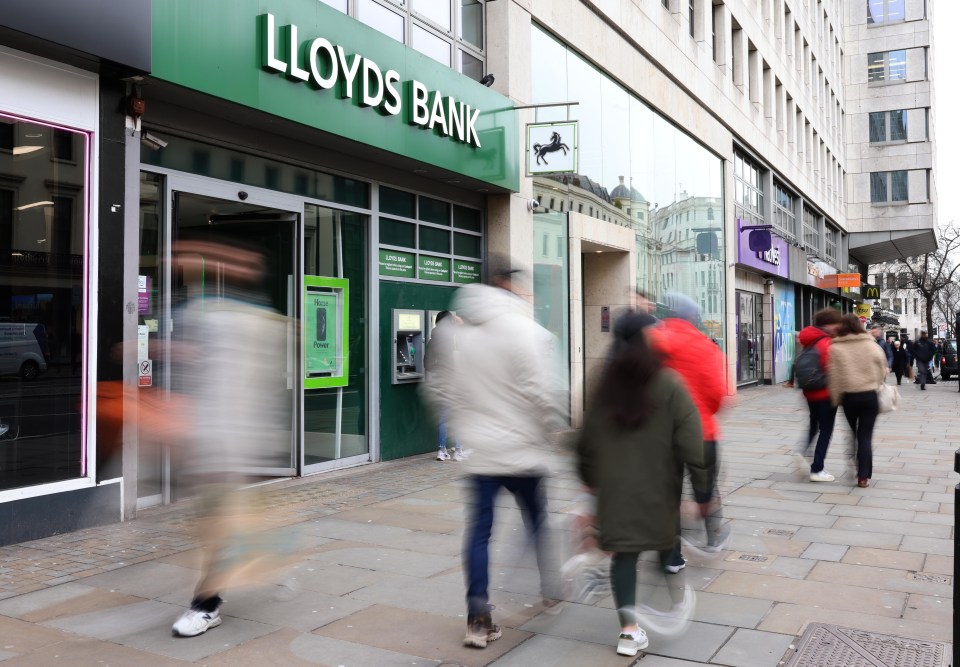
<point>358,166</point>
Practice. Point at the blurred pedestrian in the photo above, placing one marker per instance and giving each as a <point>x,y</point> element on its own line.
<point>900,365</point>
<point>923,351</point>
<point>504,403</point>
<point>701,366</point>
<point>877,332</point>
<point>810,375</point>
<point>231,363</point>
<point>641,429</point>
<point>440,359</point>
<point>856,370</point>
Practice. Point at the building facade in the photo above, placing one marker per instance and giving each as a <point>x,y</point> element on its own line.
<point>378,153</point>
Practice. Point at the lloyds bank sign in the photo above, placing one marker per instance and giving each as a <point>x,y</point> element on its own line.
<point>329,69</point>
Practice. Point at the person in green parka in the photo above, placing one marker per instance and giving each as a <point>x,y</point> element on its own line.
<point>641,430</point>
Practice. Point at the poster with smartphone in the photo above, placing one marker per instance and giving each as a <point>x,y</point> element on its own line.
<point>325,348</point>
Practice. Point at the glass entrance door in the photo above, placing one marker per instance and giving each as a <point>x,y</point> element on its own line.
<point>748,343</point>
<point>192,230</point>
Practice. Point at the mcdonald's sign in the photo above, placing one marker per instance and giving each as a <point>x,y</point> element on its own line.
<point>871,291</point>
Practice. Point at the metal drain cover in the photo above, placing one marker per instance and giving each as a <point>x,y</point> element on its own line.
<point>831,646</point>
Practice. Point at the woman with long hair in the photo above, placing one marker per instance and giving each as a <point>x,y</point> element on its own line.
<point>640,430</point>
<point>856,369</point>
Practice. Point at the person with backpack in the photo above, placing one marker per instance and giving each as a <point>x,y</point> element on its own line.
<point>810,375</point>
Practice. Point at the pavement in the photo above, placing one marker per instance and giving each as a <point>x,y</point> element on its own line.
<point>373,575</point>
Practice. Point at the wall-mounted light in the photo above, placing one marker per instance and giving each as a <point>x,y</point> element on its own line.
<point>33,205</point>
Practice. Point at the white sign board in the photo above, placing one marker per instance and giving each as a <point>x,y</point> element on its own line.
<point>145,372</point>
<point>552,148</point>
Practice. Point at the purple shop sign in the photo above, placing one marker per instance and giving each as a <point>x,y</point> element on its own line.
<point>775,261</point>
<point>143,295</point>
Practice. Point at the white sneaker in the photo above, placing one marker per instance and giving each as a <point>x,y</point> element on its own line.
<point>458,455</point>
<point>822,476</point>
<point>633,643</point>
<point>442,455</point>
<point>195,622</point>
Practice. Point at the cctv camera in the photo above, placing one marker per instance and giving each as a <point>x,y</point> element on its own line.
<point>154,142</point>
<point>533,204</point>
<point>243,195</point>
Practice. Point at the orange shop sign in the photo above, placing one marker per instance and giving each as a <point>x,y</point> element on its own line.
<point>837,280</point>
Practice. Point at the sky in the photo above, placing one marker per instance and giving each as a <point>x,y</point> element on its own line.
<point>946,50</point>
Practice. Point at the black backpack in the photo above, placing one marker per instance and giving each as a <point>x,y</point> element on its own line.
<point>808,373</point>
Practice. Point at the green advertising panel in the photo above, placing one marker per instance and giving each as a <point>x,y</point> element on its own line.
<point>395,264</point>
<point>466,272</point>
<point>325,352</point>
<point>309,63</point>
<point>433,268</point>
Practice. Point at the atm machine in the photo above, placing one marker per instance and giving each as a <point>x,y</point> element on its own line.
<point>408,349</point>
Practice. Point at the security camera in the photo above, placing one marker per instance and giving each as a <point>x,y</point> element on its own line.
<point>243,195</point>
<point>154,142</point>
<point>533,204</point>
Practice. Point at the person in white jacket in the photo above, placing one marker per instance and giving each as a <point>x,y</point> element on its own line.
<point>504,400</point>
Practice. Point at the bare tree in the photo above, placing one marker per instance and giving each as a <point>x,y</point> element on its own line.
<point>947,303</point>
<point>934,272</point>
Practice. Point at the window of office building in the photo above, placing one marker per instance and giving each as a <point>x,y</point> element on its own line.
<point>451,32</point>
<point>887,66</point>
<point>830,243</point>
<point>784,218</point>
<point>747,190</point>
<point>44,194</point>
<point>888,186</point>
<point>885,11</point>
<point>888,126</point>
<point>811,230</point>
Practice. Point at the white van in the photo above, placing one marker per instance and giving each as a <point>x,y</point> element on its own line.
<point>20,350</point>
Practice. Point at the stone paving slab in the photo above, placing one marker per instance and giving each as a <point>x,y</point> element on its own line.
<point>753,648</point>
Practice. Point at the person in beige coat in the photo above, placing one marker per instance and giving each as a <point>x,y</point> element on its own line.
<point>856,369</point>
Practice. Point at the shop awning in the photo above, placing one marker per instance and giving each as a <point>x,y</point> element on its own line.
<point>879,247</point>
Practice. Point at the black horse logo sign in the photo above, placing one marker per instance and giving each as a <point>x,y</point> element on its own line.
<point>542,150</point>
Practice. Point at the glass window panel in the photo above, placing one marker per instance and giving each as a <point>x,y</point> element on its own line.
<point>380,18</point>
<point>878,187</point>
<point>898,65</point>
<point>434,240</point>
<point>339,5</point>
<point>875,71</point>
<point>895,10</point>
<point>898,185</point>
<point>398,202</point>
<point>471,22</point>
<point>433,210</point>
<point>43,227</point>
<point>615,119</point>
<point>469,66</point>
<point>875,11</point>
<point>467,218</point>
<point>898,125</point>
<point>878,126</point>
<point>394,232</point>
<point>470,246</point>
<point>437,11</point>
<point>429,44</point>
<point>252,170</point>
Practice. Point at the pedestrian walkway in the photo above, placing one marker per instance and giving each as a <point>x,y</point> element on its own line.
<point>375,576</point>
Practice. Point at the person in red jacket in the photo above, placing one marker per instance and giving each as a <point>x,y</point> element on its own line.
<point>823,413</point>
<point>702,366</point>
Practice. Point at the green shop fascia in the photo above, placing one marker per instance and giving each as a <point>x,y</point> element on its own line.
<point>305,62</point>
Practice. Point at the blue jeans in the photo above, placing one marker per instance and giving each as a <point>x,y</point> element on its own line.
<point>442,441</point>
<point>823,415</point>
<point>528,492</point>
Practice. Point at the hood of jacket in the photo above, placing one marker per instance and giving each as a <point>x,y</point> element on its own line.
<point>811,335</point>
<point>854,339</point>
<point>479,304</point>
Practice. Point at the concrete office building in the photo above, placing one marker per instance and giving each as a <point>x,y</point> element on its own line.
<point>356,142</point>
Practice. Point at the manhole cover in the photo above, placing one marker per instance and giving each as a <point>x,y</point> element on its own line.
<point>778,532</point>
<point>929,578</point>
<point>830,645</point>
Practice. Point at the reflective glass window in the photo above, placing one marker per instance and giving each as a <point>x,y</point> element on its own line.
<point>898,125</point>
<point>398,202</point>
<point>431,45</point>
<point>468,245</point>
<point>380,18</point>
<point>434,240</point>
<point>394,232</point>
<point>43,232</point>
<point>471,22</point>
<point>470,66</point>
<point>437,11</point>
<point>435,211</point>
